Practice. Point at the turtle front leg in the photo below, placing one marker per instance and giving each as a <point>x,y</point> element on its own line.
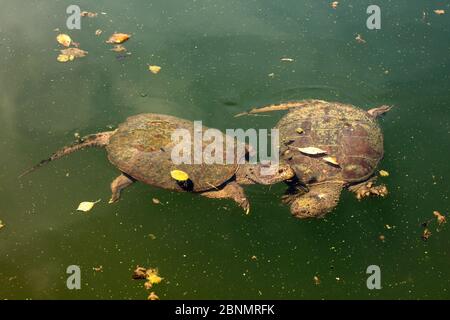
<point>321,199</point>
<point>231,191</point>
<point>119,183</point>
<point>367,188</point>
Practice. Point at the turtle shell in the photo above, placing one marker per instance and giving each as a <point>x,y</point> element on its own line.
<point>142,148</point>
<point>345,132</point>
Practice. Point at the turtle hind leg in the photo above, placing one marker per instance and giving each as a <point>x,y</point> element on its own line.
<point>376,112</point>
<point>233,191</point>
<point>120,183</point>
<point>367,188</point>
<point>321,199</point>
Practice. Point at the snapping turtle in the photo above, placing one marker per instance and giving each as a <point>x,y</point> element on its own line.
<point>142,148</point>
<point>330,146</point>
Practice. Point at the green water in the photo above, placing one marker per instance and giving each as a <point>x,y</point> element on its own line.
<point>216,57</point>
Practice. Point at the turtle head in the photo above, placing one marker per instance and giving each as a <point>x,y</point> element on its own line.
<point>316,203</point>
<point>268,174</point>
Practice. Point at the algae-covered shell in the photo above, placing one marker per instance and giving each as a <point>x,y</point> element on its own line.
<point>342,131</point>
<point>142,148</point>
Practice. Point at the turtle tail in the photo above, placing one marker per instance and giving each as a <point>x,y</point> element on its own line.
<point>100,139</point>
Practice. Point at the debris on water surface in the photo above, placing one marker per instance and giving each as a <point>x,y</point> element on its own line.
<point>2,225</point>
<point>123,56</point>
<point>152,236</point>
<point>98,32</point>
<point>287,60</point>
<point>98,269</point>
<point>439,12</point>
<point>77,53</point>
<point>312,150</point>
<point>156,201</point>
<point>360,39</point>
<point>86,206</point>
<point>384,173</point>
<point>331,160</point>
<point>334,4</point>
<point>152,296</point>
<point>119,48</point>
<point>179,175</point>
<point>89,14</point>
<point>316,280</point>
<point>441,219</point>
<point>64,39</point>
<point>382,237</point>
<point>118,38</point>
<point>426,234</point>
<point>65,58</point>
<point>254,258</point>
<point>154,69</point>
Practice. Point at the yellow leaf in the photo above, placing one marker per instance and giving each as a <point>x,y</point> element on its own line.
<point>331,160</point>
<point>63,58</point>
<point>153,277</point>
<point>384,173</point>
<point>118,38</point>
<point>86,206</point>
<point>179,175</point>
<point>312,150</point>
<point>154,69</point>
<point>64,39</point>
<point>299,130</point>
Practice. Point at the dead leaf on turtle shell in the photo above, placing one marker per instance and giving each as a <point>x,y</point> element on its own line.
<point>439,12</point>
<point>154,69</point>
<point>312,151</point>
<point>331,160</point>
<point>118,38</point>
<point>152,296</point>
<point>86,206</point>
<point>64,39</point>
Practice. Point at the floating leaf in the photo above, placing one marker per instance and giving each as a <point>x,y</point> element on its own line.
<point>64,39</point>
<point>156,201</point>
<point>331,160</point>
<point>316,280</point>
<point>287,60</point>
<point>439,12</point>
<point>360,39</point>
<point>88,14</point>
<point>2,225</point>
<point>152,276</point>
<point>86,206</point>
<point>154,69</point>
<point>384,173</point>
<point>312,150</point>
<point>63,58</point>
<point>179,175</point>
<point>299,130</point>
<point>152,296</point>
<point>441,219</point>
<point>118,38</point>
